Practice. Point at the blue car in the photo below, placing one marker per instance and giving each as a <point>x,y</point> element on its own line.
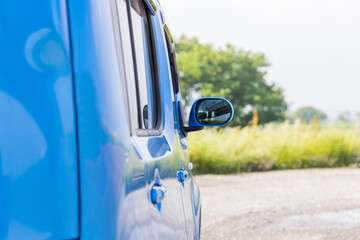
<point>93,138</point>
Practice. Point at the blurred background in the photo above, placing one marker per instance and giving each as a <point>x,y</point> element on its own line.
<point>292,71</point>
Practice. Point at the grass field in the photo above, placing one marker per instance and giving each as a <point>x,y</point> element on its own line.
<point>274,146</point>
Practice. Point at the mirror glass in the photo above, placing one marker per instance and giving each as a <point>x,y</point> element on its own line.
<point>213,111</point>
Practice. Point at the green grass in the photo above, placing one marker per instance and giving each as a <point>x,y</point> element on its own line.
<point>270,147</point>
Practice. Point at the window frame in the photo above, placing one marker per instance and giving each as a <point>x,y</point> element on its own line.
<point>154,71</point>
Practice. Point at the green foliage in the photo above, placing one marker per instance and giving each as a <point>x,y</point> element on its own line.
<point>231,73</point>
<point>344,117</point>
<point>285,146</point>
<point>306,114</point>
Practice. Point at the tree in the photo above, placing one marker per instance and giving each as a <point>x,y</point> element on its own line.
<point>231,73</point>
<point>344,117</point>
<point>306,114</point>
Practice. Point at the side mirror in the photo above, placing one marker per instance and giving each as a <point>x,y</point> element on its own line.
<point>209,111</point>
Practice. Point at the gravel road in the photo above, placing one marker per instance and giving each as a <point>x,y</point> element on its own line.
<point>295,204</point>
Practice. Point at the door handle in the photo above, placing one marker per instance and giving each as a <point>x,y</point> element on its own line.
<point>182,175</point>
<point>157,193</point>
<point>158,190</point>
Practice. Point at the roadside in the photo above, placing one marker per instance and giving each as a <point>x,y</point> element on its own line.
<point>292,204</point>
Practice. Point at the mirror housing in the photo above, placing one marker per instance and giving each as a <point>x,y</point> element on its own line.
<point>209,111</point>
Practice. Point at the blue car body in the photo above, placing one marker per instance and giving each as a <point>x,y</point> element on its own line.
<point>72,165</point>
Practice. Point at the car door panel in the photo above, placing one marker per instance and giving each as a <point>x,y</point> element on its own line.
<point>114,200</point>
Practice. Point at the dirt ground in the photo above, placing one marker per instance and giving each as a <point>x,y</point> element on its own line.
<point>295,204</point>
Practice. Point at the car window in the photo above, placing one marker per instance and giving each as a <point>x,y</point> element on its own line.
<point>143,88</point>
<point>126,55</point>
<point>142,56</point>
<point>128,62</point>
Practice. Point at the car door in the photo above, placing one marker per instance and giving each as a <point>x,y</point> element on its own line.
<point>114,193</point>
<point>152,109</point>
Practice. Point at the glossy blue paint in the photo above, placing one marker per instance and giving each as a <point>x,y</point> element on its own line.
<point>38,153</point>
<point>193,122</point>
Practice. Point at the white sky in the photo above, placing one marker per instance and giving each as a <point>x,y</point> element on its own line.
<point>313,45</point>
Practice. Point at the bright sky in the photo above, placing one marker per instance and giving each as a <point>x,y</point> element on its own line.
<point>313,45</point>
